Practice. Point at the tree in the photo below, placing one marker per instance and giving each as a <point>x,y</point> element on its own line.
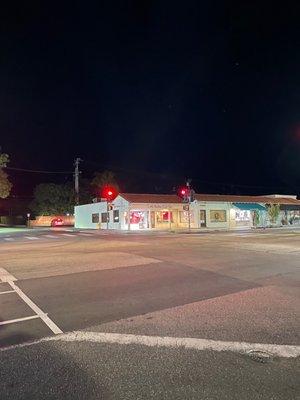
<point>256,217</point>
<point>85,191</point>
<point>52,199</point>
<point>273,211</point>
<point>5,184</point>
<point>105,178</point>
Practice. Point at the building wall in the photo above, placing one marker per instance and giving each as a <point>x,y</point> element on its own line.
<point>45,220</point>
<point>219,215</point>
<point>84,215</point>
<point>212,208</point>
<point>153,213</point>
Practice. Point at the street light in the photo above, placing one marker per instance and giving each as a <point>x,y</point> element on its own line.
<point>28,220</point>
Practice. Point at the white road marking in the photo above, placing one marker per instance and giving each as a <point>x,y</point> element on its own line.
<point>12,321</point>
<point>31,237</point>
<point>286,351</point>
<point>9,239</point>
<point>54,328</point>
<point>85,234</point>
<point>5,276</point>
<point>67,234</point>
<point>50,236</point>
<point>7,291</point>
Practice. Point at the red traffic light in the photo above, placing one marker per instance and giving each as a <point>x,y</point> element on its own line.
<point>109,193</point>
<point>183,191</point>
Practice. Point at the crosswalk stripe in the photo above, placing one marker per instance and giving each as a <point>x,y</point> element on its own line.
<point>50,236</point>
<point>9,239</point>
<point>31,237</point>
<point>66,234</point>
<point>85,234</point>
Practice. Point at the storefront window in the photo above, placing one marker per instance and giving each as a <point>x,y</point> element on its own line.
<point>217,215</point>
<point>116,215</point>
<point>163,216</point>
<point>242,215</point>
<point>137,217</point>
<point>294,217</point>
<point>184,216</point>
<point>95,218</point>
<point>104,217</point>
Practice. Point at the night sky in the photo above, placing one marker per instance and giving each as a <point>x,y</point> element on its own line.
<point>154,90</point>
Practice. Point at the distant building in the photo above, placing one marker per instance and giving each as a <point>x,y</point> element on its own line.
<point>165,212</point>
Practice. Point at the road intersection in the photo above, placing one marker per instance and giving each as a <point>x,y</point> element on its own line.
<point>217,311</point>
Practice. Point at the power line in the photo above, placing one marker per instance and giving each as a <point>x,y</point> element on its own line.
<point>39,171</point>
<point>164,176</point>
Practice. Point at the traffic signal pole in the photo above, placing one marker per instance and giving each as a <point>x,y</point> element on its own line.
<point>189,203</point>
<point>107,214</point>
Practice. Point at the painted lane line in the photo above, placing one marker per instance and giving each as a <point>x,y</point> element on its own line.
<point>50,236</point>
<point>5,276</point>
<point>54,328</point>
<point>85,234</point>
<point>286,351</point>
<point>13,321</point>
<point>7,291</point>
<point>31,237</point>
<point>190,343</point>
<point>67,234</point>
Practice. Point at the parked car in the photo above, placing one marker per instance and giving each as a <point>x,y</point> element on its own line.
<point>57,222</point>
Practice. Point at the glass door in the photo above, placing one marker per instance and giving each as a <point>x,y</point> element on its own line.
<point>203,218</point>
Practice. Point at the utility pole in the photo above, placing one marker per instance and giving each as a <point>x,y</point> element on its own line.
<point>76,179</point>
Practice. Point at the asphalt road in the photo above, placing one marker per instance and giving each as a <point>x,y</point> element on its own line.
<point>158,316</point>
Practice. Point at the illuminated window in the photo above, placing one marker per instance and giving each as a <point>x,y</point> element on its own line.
<point>217,215</point>
<point>136,217</point>
<point>184,216</point>
<point>116,215</point>
<point>95,218</point>
<point>163,216</point>
<point>242,215</point>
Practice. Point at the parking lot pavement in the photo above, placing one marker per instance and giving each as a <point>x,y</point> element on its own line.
<point>55,370</point>
<point>176,290</point>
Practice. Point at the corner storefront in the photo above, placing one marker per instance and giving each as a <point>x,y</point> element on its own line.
<point>142,212</point>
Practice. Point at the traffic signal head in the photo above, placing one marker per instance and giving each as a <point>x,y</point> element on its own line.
<point>109,193</point>
<point>183,193</point>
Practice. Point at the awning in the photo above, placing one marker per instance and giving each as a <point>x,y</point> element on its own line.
<point>249,206</point>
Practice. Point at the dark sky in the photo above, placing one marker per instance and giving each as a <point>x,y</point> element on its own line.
<point>156,91</point>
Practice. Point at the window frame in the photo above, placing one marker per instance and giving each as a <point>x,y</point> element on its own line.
<point>213,213</point>
<point>97,218</point>
<point>118,216</point>
<point>104,217</point>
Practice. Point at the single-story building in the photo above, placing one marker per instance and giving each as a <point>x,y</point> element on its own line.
<point>130,211</point>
